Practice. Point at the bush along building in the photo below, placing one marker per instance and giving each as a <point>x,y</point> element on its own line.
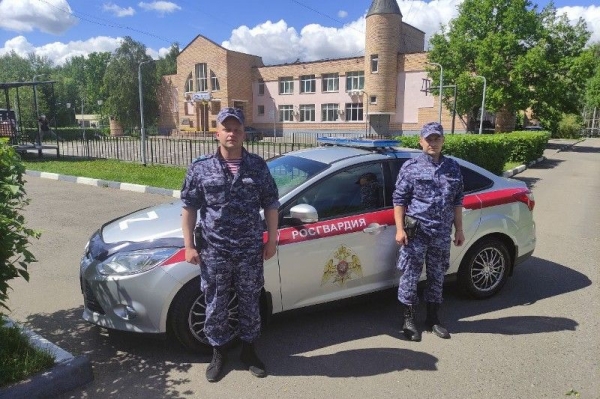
<point>380,93</point>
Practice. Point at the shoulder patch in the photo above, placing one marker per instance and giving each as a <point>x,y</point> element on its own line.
<point>202,158</point>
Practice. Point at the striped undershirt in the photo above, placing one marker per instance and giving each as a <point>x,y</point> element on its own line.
<point>233,165</point>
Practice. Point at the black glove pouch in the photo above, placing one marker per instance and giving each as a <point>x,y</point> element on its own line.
<point>411,226</point>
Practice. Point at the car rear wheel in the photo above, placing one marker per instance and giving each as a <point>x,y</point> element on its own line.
<point>484,269</point>
<point>188,313</point>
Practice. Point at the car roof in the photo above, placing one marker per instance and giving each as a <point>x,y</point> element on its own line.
<point>330,154</point>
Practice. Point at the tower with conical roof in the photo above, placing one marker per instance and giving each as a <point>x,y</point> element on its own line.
<point>382,43</point>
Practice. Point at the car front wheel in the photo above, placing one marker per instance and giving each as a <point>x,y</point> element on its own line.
<point>188,313</point>
<point>484,270</point>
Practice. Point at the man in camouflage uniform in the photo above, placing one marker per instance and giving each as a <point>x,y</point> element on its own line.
<point>227,190</point>
<point>369,190</point>
<point>429,189</point>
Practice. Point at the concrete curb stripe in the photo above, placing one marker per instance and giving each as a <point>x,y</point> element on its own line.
<point>138,188</point>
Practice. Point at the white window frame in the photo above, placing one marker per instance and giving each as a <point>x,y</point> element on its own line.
<point>286,85</point>
<point>355,80</point>
<point>330,112</point>
<point>261,87</point>
<point>201,77</point>
<point>374,63</point>
<point>308,84</point>
<point>307,113</point>
<point>286,113</point>
<point>354,112</point>
<point>214,81</point>
<point>331,82</point>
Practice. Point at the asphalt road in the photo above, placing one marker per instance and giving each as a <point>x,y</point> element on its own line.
<point>538,338</point>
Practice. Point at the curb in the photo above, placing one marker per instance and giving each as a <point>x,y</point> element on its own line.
<point>68,373</point>
<point>521,168</point>
<point>138,188</point>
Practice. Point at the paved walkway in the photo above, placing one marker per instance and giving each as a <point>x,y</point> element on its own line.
<point>71,372</point>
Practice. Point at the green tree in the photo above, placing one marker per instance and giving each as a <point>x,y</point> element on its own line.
<point>15,256</point>
<point>167,65</point>
<point>592,91</point>
<point>121,85</point>
<point>530,59</point>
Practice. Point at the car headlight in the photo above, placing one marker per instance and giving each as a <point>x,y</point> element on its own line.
<point>133,262</point>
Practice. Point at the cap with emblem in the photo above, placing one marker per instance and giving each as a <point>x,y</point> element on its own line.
<point>432,128</point>
<point>230,112</point>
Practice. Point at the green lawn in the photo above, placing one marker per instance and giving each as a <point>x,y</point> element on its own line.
<point>168,177</point>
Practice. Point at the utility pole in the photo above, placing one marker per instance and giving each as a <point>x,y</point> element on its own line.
<point>142,129</point>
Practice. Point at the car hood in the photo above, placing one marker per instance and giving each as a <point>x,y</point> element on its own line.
<point>153,223</point>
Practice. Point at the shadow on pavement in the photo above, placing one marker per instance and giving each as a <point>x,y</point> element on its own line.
<point>152,366</point>
<point>126,360</point>
<point>583,149</point>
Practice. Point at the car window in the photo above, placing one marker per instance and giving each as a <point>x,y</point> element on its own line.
<point>350,191</point>
<point>474,181</point>
<point>289,171</point>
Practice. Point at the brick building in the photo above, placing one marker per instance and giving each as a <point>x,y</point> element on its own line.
<point>378,93</point>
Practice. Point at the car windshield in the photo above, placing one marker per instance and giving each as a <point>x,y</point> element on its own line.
<point>290,171</point>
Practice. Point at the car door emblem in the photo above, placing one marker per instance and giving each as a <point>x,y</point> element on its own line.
<point>344,265</point>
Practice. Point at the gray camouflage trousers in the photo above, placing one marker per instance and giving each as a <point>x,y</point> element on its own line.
<point>222,277</point>
<point>434,252</point>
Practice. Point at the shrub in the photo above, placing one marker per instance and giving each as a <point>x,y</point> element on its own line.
<point>569,127</point>
<point>14,235</point>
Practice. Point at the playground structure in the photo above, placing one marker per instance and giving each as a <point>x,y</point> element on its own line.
<point>11,124</point>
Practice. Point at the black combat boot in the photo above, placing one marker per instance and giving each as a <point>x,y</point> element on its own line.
<point>433,322</point>
<point>251,360</point>
<point>409,328</point>
<point>213,371</point>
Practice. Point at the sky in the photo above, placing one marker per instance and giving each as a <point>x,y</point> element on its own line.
<point>279,31</point>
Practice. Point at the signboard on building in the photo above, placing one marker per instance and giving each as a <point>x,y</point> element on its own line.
<point>201,96</point>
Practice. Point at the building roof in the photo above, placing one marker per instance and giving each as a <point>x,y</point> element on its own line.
<point>384,7</point>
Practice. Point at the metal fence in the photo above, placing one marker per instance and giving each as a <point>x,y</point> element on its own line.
<point>166,150</point>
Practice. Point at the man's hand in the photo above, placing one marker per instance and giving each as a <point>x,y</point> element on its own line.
<point>269,249</point>
<point>401,237</point>
<point>191,256</point>
<point>459,238</point>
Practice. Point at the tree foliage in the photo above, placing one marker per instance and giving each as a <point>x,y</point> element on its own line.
<point>121,84</point>
<point>529,58</point>
<point>15,256</point>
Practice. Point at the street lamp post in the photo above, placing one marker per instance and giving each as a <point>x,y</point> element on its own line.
<point>441,87</point>
<point>100,102</point>
<point>142,128</point>
<point>482,103</point>
<point>362,92</point>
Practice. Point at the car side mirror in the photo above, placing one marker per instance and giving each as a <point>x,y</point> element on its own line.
<point>304,213</point>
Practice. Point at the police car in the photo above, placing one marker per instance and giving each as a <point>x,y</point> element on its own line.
<point>336,240</point>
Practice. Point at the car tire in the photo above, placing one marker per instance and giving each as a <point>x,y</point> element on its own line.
<point>187,315</point>
<point>484,270</point>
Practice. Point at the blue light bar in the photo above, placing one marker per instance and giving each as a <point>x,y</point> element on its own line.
<point>358,143</point>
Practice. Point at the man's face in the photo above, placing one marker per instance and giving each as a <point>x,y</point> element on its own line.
<point>231,133</point>
<point>432,145</point>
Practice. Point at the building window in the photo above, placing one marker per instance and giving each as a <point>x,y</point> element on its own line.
<point>329,112</point>
<point>354,111</point>
<point>201,77</point>
<point>331,82</point>
<point>308,84</point>
<point>261,110</point>
<point>355,81</point>
<point>261,87</point>
<point>286,113</point>
<point>214,81</point>
<point>307,113</point>
<point>373,100</point>
<point>374,63</point>
<point>286,85</point>
<point>189,83</point>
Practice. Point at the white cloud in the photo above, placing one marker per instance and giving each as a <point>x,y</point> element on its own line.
<point>60,52</point>
<point>118,11</point>
<point>49,16</point>
<point>342,14</point>
<point>162,7</point>
<point>279,43</point>
<point>590,14</point>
